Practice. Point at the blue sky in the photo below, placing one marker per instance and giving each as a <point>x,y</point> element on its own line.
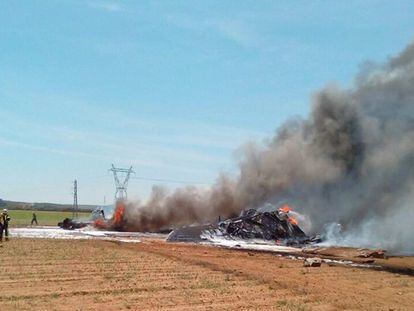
<point>170,87</point>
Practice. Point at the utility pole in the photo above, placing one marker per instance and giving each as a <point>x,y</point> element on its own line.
<point>75,199</point>
<point>121,186</point>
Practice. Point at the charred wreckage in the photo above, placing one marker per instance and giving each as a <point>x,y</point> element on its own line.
<point>277,225</point>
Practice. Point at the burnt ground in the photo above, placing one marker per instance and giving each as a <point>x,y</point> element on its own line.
<point>50,274</point>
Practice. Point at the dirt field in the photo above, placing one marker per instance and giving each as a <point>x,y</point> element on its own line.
<point>101,275</point>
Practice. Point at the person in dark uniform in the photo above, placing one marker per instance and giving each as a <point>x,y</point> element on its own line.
<point>1,227</point>
<point>4,219</point>
<point>34,219</point>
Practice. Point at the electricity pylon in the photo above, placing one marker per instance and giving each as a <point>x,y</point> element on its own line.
<point>121,187</point>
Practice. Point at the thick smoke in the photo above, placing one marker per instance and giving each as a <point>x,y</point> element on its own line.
<point>351,162</point>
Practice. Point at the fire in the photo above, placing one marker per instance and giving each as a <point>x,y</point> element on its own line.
<point>115,221</point>
<point>293,221</point>
<point>285,209</point>
<point>100,223</point>
<point>119,211</point>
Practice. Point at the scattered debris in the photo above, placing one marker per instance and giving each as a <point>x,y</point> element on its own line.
<point>313,250</point>
<point>366,253</point>
<point>312,262</point>
<point>71,224</point>
<point>334,263</point>
<point>189,234</point>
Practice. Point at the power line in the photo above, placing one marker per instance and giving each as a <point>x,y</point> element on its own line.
<point>171,180</point>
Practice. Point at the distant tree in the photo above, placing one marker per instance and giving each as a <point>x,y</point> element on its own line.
<point>2,202</point>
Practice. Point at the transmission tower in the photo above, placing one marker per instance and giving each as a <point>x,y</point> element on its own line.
<point>75,199</point>
<point>121,187</point>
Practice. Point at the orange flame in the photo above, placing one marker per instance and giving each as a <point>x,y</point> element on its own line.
<point>285,209</point>
<point>115,221</point>
<point>119,211</point>
<point>293,221</point>
<point>100,223</point>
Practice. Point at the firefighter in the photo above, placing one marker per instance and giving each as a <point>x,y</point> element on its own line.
<point>1,227</point>
<point>4,218</point>
<point>34,219</point>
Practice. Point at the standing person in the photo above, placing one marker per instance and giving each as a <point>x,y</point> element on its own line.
<point>34,219</point>
<point>5,218</point>
<point>1,227</point>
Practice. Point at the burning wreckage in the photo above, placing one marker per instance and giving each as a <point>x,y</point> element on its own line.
<point>116,222</point>
<point>276,225</point>
<point>96,219</point>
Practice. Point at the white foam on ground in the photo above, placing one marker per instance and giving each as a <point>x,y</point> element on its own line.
<point>252,244</point>
<point>77,234</point>
<point>295,253</point>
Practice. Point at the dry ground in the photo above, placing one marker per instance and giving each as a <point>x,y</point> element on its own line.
<point>153,275</point>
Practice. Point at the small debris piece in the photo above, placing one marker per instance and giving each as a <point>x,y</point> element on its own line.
<point>312,250</point>
<point>312,262</point>
<point>71,224</point>
<point>366,253</point>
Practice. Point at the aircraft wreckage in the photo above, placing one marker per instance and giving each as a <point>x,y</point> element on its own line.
<point>276,225</point>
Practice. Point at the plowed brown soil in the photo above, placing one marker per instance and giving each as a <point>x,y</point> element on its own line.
<point>154,275</point>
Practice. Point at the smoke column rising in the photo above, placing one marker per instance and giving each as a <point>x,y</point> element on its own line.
<point>350,162</point>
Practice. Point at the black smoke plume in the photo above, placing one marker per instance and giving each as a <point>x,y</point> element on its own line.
<point>350,162</point>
